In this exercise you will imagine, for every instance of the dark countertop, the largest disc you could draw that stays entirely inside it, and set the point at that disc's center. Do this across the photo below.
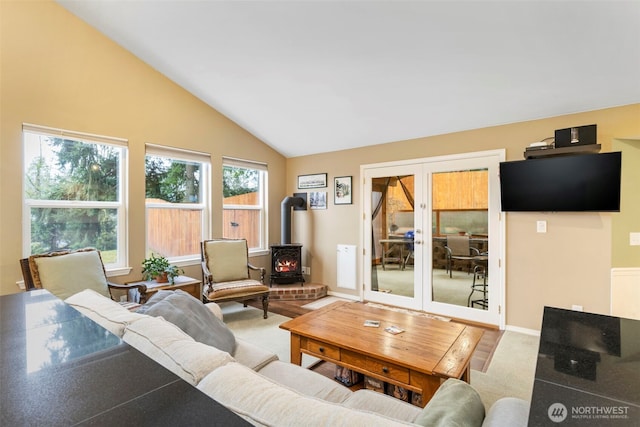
(58, 367)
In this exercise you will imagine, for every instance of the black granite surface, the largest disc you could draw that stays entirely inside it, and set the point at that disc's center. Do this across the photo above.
(587, 372)
(59, 368)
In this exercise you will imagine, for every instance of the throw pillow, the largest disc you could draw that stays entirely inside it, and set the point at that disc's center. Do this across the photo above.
(196, 320)
(155, 298)
(455, 404)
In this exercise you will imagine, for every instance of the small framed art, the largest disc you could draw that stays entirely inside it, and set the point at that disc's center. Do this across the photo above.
(317, 180)
(342, 190)
(318, 200)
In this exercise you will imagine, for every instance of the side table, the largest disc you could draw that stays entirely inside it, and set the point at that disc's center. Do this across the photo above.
(184, 283)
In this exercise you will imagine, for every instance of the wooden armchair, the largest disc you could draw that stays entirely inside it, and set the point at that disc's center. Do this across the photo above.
(65, 273)
(226, 273)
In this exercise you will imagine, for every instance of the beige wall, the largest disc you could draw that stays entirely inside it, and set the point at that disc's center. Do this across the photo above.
(568, 265)
(59, 72)
(628, 220)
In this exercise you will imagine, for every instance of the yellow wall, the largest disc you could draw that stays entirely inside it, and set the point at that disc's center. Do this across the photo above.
(570, 264)
(59, 72)
(628, 220)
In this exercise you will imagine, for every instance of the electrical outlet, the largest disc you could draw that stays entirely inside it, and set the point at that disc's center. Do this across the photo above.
(634, 239)
(306, 270)
(541, 226)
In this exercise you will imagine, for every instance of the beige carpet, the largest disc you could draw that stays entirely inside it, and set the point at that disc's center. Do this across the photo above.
(247, 323)
(510, 372)
(322, 302)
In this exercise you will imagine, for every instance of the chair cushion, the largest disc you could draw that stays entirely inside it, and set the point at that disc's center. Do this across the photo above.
(238, 288)
(165, 343)
(104, 311)
(227, 260)
(190, 315)
(68, 273)
(455, 404)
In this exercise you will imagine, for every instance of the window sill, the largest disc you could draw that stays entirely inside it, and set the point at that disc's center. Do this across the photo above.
(120, 271)
(257, 253)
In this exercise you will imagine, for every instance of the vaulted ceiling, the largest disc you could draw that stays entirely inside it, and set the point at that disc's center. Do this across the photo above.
(316, 76)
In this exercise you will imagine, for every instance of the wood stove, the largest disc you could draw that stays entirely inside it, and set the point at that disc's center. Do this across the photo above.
(286, 264)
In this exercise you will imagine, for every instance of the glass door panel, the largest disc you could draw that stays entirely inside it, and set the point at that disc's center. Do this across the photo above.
(391, 225)
(460, 238)
(462, 274)
(408, 265)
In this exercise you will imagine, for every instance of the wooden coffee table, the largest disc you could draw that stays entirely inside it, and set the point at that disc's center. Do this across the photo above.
(418, 359)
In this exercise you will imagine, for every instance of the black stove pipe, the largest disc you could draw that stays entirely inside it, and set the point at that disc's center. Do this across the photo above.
(285, 218)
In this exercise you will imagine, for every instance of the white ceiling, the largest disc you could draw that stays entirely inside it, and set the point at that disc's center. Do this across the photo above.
(315, 76)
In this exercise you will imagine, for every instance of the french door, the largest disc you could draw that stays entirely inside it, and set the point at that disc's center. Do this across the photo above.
(413, 212)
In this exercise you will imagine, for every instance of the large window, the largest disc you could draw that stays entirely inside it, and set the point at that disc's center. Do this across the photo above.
(176, 202)
(244, 191)
(74, 193)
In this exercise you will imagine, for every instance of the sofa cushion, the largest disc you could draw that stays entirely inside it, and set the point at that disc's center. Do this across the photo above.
(306, 382)
(455, 404)
(251, 355)
(264, 402)
(104, 311)
(190, 315)
(372, 401)
(168, 345)
(508, 411)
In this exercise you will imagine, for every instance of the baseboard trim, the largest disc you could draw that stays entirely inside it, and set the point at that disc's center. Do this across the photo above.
(520, 330)
(344, 296)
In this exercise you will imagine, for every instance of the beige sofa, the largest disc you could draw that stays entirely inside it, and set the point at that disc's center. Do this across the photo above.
(265, 391)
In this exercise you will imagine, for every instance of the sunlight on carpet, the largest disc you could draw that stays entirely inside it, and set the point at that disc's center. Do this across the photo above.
(247, 323)
(322, 302)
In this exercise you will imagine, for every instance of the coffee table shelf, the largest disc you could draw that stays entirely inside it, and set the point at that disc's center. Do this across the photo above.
(418, 359)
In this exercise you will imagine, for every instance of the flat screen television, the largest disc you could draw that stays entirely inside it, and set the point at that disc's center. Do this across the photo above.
(570, 183)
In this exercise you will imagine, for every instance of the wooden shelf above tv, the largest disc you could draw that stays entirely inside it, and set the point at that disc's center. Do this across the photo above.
(579, 149)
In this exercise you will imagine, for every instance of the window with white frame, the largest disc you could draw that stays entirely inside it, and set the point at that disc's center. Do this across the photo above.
(244, 185)
(176, 198)
(74, 193)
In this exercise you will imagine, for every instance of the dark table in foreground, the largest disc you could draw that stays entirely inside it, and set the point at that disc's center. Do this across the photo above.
(58, 367)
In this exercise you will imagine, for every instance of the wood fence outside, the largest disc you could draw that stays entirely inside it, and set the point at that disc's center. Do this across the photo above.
(178, 232)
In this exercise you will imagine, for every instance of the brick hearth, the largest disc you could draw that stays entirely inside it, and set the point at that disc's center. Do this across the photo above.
(309, 291)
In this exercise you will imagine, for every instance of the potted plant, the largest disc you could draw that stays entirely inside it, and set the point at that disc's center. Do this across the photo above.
(158, 268)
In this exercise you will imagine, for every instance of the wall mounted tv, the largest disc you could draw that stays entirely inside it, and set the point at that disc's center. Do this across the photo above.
(568, 183)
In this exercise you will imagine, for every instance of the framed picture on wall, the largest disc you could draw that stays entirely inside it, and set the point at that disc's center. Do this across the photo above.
(342, 190)
(317, 180)
(318, 200)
